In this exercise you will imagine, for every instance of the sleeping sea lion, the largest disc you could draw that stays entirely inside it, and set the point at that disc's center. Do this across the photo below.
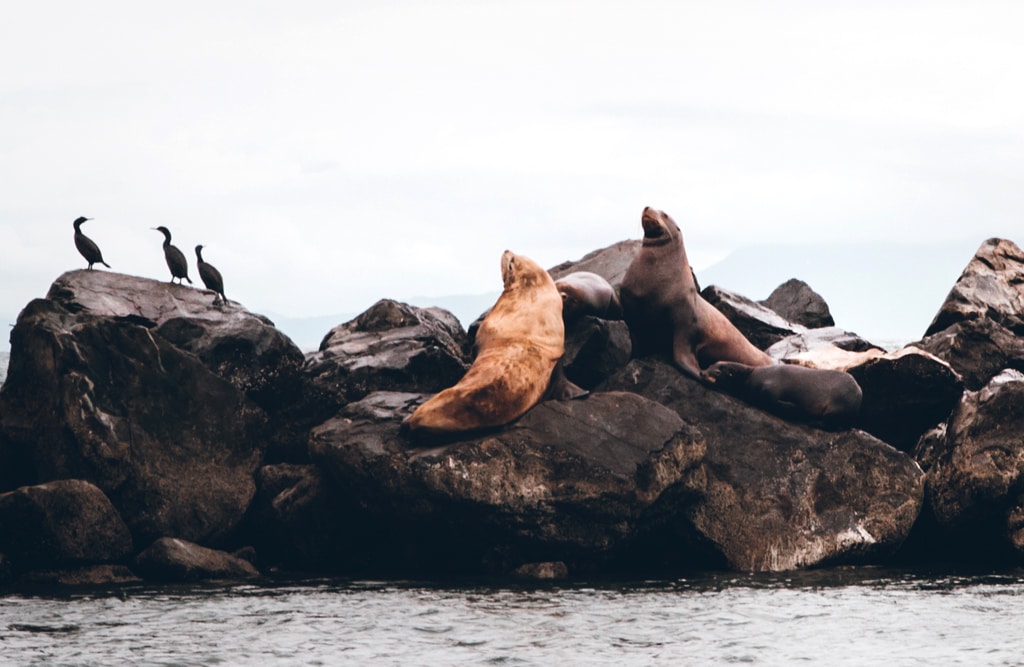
(587, 293)
(795, 392)
(518, 345)
(665, 312)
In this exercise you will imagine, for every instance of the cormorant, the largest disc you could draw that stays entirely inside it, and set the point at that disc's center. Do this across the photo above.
(210, 275)
(87, 246)
(175, 258)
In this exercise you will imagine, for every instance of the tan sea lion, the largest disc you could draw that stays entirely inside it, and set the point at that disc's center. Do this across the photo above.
(518, 345)
(795, 392)
(665, 312)
(586, 293)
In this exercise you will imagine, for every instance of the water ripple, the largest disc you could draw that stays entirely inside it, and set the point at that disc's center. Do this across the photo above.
(837, 617)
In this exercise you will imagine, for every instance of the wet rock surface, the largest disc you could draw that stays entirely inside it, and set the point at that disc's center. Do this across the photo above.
(782, 495)
(198, 427)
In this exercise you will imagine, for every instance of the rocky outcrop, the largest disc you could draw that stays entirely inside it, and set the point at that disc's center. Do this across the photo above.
(202, 426)
(978, 328)
(781, 495)
(610, 263)
(569, 481)
(762, 326)
(975, 469)
(795, 301)
(170, 559)
(172, 435)
(66, 523)
(390, 347)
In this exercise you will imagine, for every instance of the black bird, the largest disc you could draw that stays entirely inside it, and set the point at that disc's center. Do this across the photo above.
(210, 275)
(175, 258)
(87, 246)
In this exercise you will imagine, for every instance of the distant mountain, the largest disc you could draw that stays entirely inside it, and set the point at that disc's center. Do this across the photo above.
(882, 291)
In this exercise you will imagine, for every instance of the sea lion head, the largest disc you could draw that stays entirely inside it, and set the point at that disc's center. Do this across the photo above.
(659, 227)
(519, 271)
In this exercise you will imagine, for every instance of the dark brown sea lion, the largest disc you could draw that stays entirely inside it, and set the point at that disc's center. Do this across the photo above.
(795, 392)
(586, 293)
(665, 312)
(518, 345)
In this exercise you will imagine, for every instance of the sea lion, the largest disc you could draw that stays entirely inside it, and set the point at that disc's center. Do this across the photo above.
(586, 293)
(518, 345)
(665, 312)
(796, 392)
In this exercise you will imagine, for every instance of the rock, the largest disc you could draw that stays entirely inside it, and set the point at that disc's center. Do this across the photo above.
(61, 524)
(170, 559)
(977, 349)
(830, 348)
(92, 575)
(975, 468)
(978, 328)
(594, 349)
(905, 393)
(390, 347)
(610, 263)
(762, 327)
(991, 287)
(96, 392)
(542, 571)
(794, 300)
(298, 519)
(779, 495)
(569, 481)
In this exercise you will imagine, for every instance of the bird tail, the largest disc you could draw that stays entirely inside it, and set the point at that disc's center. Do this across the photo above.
(188, 279)
(104, 264)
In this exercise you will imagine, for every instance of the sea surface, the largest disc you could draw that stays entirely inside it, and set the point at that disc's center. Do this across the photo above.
(858, 616)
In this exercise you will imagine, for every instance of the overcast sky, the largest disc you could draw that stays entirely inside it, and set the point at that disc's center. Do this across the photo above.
(331, 153)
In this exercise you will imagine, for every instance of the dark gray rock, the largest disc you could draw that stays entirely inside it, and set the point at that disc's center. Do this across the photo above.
(978, 328)
(991, 287)
(61, 524)
(96, 392)
(170, 559)
(569, 481)
(975, 468)
(906, 393)
(977, 349)
(90, 575)
(762, 326)
(298, 519)
(779, 495)
(794, 300)
(610, 263)
(390, 347)
(594, 349)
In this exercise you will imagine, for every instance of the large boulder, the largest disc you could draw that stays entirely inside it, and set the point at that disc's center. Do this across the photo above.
(979, 326)
(762, 326)
(906, 393)
(569, 481)
(97, 392)
(170, 559)
(975, 469)
(61, 524)
(610, 263)
(782, 495)
(795, 301)
(390, 347)
(594, 349)
(299, 520)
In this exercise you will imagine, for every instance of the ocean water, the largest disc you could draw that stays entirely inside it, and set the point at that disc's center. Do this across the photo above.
(829, 617)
